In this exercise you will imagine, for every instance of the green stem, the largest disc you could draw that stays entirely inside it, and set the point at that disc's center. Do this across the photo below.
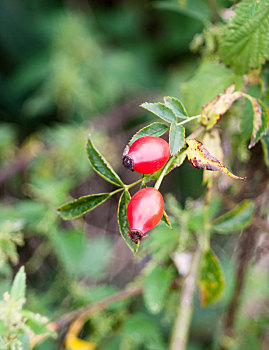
(189, 119)
(160, 179)
(206, 241)
(185, 308)
(133, 184)
(116, 191)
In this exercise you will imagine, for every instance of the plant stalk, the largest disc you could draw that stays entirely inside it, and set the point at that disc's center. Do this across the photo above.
(185, 309)
(160, 179)
(189, 119)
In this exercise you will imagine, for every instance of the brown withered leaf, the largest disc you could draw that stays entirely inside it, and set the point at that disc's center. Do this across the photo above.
(200, 158)
(219, 105)
(260, 120)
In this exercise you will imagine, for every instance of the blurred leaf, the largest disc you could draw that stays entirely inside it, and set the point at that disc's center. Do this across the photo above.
(161, 110)
(176, 138)
(211, 282)
(193, 8)
(176, 106)
(142, 330)
(81, 257)
(201, 88)
(3, 328)
(70, 248)
(260, 120)
(101, 166)
(156, 286)
(155, 129)
(166, 220)
(37, 323)
(199, 157)
(18, 286)
(82, 205)
(236, 219)
(244, 43)
(265, 147)
(123, 221)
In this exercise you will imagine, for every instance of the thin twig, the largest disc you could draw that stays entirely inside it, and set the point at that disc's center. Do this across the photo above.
(185, 309)
(88, 310)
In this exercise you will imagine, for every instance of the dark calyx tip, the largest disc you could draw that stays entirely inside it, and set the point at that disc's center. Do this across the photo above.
(136, 236)
(128, 162)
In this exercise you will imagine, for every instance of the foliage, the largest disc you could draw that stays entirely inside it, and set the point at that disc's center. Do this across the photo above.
(18, 325)
(77, 68)
(244, 44)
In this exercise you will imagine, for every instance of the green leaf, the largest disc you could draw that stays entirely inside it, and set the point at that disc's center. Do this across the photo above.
(166, 220)
(176, 138)
(244, 44)
(191, 8)
(260, 120)
(101, 166)
(156, 287)
(155, 129)
(236, 219)
(18, 286)
(211, 281)
(265, 147)
(82, 205)
(176, 106)
(202, 88)
(123, 221)
(161, 110)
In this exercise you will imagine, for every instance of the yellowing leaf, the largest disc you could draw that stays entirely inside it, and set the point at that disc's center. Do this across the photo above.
(219, 105)
(74, 343)
(200, 158)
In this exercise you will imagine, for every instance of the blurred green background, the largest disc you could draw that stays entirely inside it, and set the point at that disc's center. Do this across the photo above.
(74, 67)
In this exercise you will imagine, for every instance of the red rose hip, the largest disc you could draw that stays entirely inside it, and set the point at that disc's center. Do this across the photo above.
(144, 212)
(147, 155)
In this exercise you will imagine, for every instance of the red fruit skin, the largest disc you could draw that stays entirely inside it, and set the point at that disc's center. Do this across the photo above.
(148, 154)
(144, 212)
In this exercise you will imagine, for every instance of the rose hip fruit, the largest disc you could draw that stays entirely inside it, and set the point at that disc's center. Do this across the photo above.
(144, 212)
(146, 155)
